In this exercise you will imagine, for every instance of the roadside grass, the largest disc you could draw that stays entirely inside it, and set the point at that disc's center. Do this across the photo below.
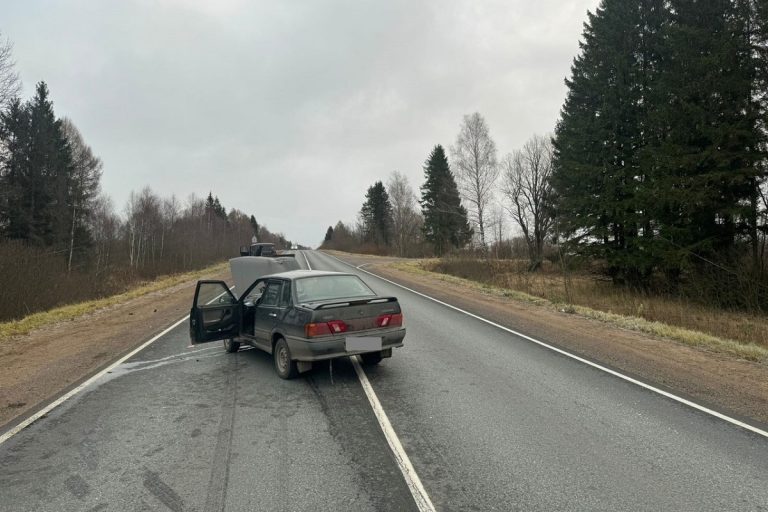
(72, 311)
(677, 320)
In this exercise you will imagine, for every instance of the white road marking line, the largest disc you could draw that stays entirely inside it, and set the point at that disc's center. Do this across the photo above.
(420, 495)
(627, 378)
(412, 479)
(305, 259)
(48, 408)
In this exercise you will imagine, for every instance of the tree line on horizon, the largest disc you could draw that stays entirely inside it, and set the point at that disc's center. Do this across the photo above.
(656, 168)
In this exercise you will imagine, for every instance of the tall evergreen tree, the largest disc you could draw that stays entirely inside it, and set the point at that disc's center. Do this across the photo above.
(329, 234)
(598, 170)
(51, 171)
(15, 219)
(445, 219)
(254, 226)
(376, 215)
(707, 158)
(38, 172)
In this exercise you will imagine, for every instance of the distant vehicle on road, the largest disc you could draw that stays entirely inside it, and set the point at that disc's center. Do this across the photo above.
(259, 249)
(299, 316)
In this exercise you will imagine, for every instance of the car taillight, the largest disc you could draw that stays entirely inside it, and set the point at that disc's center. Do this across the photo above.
(325, 328)
(337, 326)
(390, 320)
(311, 330)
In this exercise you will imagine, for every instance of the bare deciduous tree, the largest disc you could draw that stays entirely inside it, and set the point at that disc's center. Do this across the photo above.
(104, 226)
(84, 183)
(10, 85)
(476, 168)
(497, 227)
(406, 219)
(527, 187)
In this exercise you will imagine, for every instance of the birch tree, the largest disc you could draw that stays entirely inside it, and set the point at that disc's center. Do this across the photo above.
(476, 168)
(10, 85)
(83, 184)
(405, 217)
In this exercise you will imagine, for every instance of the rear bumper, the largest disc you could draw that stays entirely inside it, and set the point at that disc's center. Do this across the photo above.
(303, 349)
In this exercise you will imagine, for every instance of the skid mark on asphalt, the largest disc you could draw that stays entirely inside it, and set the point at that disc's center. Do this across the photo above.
(354, 427)
(128, 368)
(162, 491)
(218, 482)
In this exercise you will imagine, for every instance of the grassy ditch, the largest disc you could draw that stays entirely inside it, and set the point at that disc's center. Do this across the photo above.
(71, 311)
(740, 335)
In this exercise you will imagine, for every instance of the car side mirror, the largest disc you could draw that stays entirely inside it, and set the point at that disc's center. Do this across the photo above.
(244, 250)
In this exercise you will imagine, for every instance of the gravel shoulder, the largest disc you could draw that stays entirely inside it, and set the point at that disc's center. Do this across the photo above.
(37, 367)
(727, 384)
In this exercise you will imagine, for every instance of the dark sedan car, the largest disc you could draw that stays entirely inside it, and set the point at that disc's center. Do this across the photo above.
(299, 317)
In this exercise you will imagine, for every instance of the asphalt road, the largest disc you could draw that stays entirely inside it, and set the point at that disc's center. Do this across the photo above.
(489, 421)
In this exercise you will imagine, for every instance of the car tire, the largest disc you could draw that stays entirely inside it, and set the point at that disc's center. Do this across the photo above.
(371, 358)
(231, 345)
(284, 365)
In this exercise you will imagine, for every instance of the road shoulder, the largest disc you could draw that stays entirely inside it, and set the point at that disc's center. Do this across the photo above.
(40, 366)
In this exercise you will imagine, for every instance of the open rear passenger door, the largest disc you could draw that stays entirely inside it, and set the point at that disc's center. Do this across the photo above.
(215, 313)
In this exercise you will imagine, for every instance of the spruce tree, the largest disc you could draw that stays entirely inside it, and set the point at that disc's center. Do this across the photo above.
(376, 215)
(707, 160)
(445, 219)
(15, 217)
(329, 234)
(38, 172)
(599, 172)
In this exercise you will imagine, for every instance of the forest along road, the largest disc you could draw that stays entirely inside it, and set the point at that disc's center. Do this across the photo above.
(489, 421)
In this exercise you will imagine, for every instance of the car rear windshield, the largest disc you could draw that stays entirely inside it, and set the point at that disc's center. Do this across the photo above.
(313, 289)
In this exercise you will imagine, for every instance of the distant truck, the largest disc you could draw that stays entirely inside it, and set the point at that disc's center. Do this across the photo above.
(260, 249)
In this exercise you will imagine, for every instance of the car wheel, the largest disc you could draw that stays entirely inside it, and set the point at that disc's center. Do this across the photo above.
(371, 358)
(231, 345)
(284, 365)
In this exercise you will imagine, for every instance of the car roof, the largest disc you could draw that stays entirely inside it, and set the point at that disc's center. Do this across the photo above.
(297, 274)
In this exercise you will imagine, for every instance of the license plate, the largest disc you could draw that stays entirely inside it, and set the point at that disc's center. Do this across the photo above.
(355, 343)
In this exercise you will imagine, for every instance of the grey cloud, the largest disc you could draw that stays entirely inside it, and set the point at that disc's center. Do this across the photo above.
(290, 110)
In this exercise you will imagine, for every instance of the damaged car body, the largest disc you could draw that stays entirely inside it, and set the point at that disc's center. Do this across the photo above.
(298, 316)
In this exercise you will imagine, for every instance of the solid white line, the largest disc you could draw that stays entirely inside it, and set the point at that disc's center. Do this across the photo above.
(305, 259)
(420, 495)
(48, 408)
(627, 378)
(413, 481)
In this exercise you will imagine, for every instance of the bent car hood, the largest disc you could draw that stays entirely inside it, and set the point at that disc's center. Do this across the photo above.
(247, 269)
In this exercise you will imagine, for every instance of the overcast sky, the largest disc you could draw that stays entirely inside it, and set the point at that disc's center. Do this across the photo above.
(289, 110)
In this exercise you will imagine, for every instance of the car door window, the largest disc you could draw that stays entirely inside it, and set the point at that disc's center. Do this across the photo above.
(285, 296)
(213, 293)
(256, 292)
(271, 294)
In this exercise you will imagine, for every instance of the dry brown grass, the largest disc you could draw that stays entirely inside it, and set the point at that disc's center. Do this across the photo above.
(70, 311)
(734, 333)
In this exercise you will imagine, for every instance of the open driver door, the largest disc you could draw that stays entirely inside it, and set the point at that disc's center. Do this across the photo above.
(215, 313)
